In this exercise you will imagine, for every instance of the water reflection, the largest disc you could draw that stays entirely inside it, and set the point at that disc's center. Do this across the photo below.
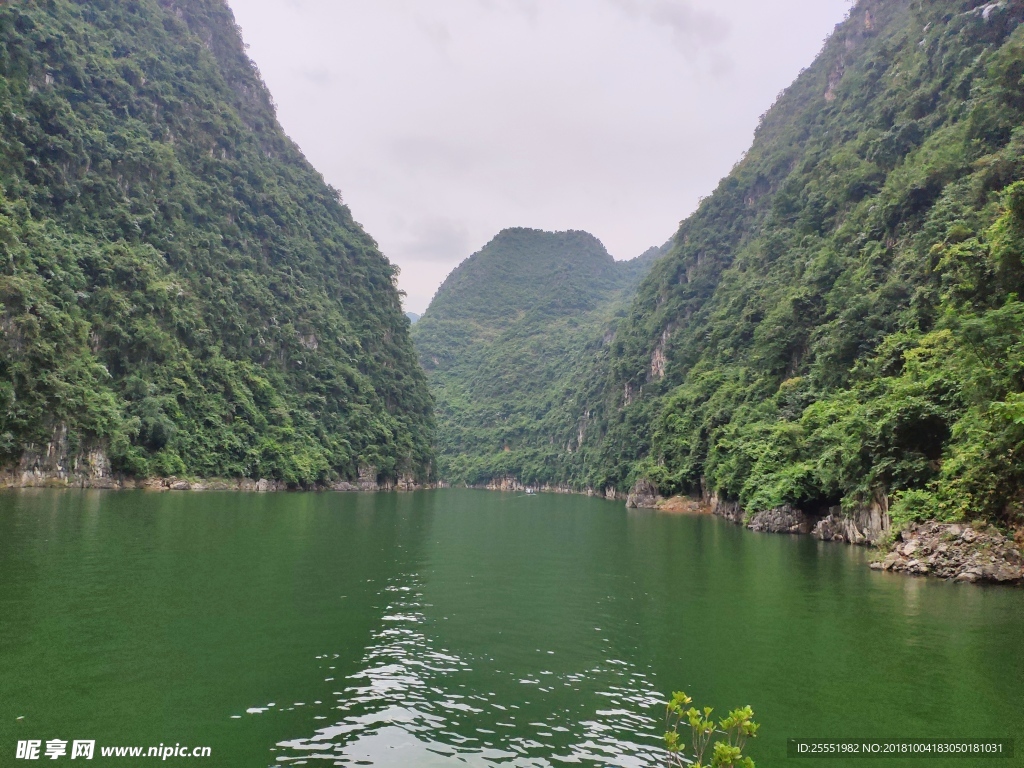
(469, 628)
(412, 704)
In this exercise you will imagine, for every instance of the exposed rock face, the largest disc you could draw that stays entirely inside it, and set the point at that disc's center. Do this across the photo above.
(682, 504)
(239, 484)
(510, 483)
(55, 466)
(215, 485)
(957, 552)
(643, 496)
(506, 484)
(659, 361)
(866, 525)
(837, 527)
(730, 510)
(368, 478)
(784, 519)
(406, 482)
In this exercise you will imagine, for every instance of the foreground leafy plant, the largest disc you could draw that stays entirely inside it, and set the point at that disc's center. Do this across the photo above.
(725, 753)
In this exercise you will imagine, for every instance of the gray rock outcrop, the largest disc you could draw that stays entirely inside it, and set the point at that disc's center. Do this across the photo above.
(865, 525)
(644, 495)
(784, 519)
(368, 478)
(55, 465)
(955, 551)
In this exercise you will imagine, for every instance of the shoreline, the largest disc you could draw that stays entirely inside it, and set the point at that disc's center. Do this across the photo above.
(952, 551)
(961, 552)
(97, 479)
(56, 465)
(242, 485)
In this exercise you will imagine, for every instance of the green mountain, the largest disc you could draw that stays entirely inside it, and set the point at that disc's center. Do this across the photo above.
(840, 322)
(182, 293)
(510, 342)
(842, 318)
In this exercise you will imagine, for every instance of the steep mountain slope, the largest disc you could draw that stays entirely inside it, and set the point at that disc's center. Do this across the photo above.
(182, 293)
(510, 342)
(841, 320)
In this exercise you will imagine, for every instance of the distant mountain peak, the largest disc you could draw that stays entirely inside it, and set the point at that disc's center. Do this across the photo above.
(522, 270)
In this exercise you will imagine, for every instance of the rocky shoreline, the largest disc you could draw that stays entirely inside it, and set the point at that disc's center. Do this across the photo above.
(958, 552)
(55, 467)
(955, 551)
(510, 483)
(12, 480)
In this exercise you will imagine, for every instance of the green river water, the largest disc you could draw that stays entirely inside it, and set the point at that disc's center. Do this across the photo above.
(448, 628)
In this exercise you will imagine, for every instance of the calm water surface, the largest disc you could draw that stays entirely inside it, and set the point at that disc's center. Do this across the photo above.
(452, 628)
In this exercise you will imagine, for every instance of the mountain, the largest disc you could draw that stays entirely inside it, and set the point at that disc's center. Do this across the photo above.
(413, 317)
(182, 293)
(507, 343)
(841, 320)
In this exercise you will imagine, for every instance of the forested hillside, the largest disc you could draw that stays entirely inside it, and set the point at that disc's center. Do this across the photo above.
(843, 316)
(181, 291)
(511, 342)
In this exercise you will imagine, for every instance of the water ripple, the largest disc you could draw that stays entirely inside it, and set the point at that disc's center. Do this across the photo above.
(404, 709)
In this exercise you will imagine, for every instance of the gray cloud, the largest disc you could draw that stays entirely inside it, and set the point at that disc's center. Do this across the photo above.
(530, 9)
(445, 121)
(435, 30)
(433, 154)
(437, 240)
(691, 27)
(319, 77)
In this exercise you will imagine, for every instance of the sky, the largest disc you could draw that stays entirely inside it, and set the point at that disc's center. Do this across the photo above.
(443, 122)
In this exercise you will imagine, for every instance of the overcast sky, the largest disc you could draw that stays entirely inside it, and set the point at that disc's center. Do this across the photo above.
(445, 121)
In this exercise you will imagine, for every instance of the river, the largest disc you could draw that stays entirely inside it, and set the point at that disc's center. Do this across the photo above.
(455, 627)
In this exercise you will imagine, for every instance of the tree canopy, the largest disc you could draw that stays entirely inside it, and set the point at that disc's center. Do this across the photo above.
(180, 288)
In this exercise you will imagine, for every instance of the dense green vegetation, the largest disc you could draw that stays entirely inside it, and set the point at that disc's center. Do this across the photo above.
(179, 287)
(510, 342)
(842, 318)
(843, 315)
